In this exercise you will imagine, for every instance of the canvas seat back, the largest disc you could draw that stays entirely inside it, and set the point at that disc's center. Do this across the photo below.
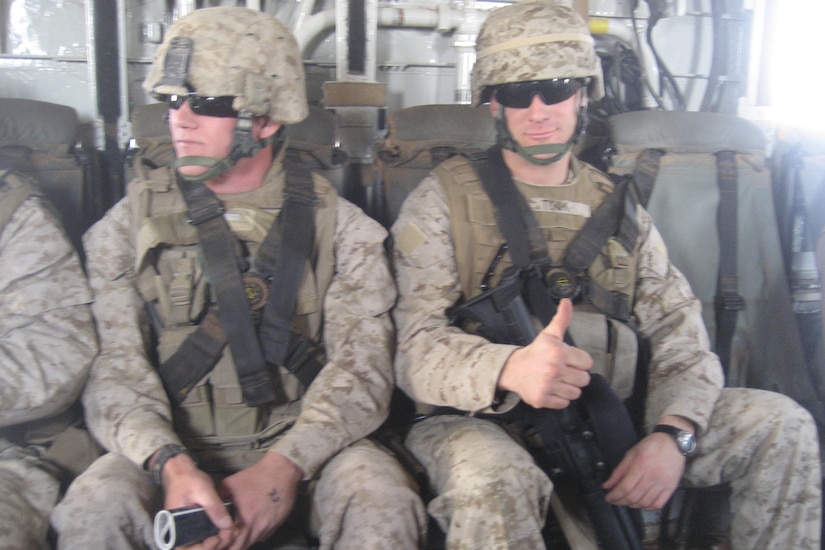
(417, 139)
(765, 349)
(47, 142)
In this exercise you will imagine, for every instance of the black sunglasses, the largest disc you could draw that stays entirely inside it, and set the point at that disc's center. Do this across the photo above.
(519, 95)
(205, 105)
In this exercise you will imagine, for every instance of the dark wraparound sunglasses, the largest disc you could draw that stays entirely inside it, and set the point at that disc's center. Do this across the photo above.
(519, 95)
(205, 105)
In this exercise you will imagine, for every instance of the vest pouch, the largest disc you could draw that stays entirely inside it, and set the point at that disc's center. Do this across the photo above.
(181, 289)
(614, 268)
(232, 416)
(613, 345)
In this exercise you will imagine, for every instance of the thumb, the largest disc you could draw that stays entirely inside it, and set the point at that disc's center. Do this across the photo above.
(560, 321)
(219, 515)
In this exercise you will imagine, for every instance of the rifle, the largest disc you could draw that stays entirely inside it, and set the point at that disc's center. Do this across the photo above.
(578, 445)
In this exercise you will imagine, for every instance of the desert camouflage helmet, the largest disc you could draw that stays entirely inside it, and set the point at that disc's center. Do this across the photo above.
(234, 52)
(534, 40)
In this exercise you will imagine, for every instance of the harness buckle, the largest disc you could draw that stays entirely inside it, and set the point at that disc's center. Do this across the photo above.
(203, 214)
(729, 302)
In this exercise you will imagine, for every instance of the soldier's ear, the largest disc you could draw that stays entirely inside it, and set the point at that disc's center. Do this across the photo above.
(494, 106)
(269, 128)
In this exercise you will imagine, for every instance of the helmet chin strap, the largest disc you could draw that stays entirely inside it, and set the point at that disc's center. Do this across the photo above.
(536, 153)
(243, 146)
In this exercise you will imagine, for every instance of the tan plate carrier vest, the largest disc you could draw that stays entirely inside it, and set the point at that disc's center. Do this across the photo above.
(213, 420)
(477, 240)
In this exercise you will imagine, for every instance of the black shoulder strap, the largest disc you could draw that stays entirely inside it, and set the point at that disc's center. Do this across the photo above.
(615, 217)
(286, 264)
(645, 172)
(518, 225)
(221, 261)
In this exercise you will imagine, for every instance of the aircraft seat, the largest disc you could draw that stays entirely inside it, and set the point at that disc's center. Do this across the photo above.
(46, 141)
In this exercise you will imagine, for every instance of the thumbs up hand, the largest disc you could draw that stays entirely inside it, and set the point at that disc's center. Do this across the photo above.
(548, 373)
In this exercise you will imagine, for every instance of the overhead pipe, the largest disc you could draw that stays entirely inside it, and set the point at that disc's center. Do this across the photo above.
(440, 18)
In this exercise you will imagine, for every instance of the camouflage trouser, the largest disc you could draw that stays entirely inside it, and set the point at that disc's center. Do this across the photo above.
(491, 495)
(27, 494)
(362, 500)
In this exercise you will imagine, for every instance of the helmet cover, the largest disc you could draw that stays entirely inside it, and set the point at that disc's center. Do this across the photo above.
(534, 40)
(236, 52)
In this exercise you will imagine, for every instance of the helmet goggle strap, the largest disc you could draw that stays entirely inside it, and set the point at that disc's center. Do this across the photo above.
(536, 153)
(243, 145)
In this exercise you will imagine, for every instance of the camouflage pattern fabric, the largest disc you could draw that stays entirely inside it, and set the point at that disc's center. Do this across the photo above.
(263, 68)
(763, 444)
(47, 343)
(355, 504)
(128, 411)
(514, 45)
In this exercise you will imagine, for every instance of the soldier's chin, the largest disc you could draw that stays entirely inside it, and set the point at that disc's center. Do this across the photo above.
(192, 171)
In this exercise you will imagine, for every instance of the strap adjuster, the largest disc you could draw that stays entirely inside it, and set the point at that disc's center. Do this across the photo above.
(203, 214)
(729, 302)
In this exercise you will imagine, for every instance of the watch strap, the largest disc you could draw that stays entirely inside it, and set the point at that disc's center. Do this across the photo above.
(166, 452)
(677, 434)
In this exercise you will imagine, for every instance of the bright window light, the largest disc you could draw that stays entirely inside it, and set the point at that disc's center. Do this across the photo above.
(797, 78)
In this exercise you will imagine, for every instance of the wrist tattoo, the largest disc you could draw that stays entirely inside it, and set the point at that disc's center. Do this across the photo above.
(274, 496)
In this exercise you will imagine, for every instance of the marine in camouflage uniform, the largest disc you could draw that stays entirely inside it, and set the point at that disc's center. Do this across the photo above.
(304, 453)
(490, 493)
(47, 343)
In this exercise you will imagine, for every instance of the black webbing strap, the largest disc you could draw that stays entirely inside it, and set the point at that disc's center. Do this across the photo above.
(205, 212)
(615, 217)
(201, 350)
(514, 217)
(518, 225)
(727, 301)
(645, 172)
(195, 358)
(296, 234)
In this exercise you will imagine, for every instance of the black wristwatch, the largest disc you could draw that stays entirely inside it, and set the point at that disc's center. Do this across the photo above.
(166, 452)
(685, 440)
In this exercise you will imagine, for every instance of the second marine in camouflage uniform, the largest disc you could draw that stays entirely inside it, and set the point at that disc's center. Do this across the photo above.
(490, 492)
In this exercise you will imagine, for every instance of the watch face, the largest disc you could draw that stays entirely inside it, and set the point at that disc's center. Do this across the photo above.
(687, 443)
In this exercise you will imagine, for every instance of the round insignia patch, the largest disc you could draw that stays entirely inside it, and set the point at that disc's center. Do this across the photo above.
(562, 284)
(256, 290)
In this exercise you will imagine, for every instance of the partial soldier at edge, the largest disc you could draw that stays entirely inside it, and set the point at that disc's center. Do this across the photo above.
(47, 344)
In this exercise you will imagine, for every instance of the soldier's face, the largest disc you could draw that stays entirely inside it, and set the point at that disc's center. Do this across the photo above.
(539, 123)
(198, 135)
